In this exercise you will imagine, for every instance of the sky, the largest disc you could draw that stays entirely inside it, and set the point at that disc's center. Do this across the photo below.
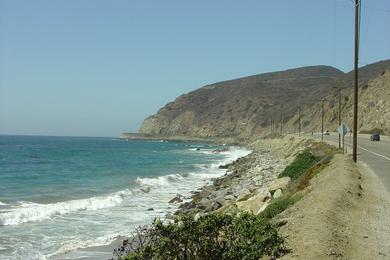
(98, 68)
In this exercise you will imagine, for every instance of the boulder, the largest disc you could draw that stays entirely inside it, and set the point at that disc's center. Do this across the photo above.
(201, 207)
(277, 194)
(262, 208)
(280, 183)
(229, 209)
(244, 195)
(146, 190)
(176, 199)
(230, 197)
(217, 151)
(253, 204)
(214, 206)
(198, 216)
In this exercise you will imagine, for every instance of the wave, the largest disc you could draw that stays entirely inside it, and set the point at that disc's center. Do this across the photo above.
(33, 212)
(231, 155)
(205, 171)
(160, 181)
(2, 203)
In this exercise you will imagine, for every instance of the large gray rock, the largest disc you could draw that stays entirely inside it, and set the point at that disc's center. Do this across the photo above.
(230, 197)
(213, 206)
(281, 183)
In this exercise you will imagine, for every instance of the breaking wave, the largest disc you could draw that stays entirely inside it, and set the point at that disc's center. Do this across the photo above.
(206, 171)
(33, 212)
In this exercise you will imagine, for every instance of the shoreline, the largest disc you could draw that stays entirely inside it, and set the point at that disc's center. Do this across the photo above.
(182, 138)
(247, 177)
(246, 182)
(106, 251)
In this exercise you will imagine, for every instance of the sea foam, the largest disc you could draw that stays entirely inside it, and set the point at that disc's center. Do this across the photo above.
(33, 212)
(205, 172)
(132, 201)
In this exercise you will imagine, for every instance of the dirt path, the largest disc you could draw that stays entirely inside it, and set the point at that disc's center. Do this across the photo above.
(344, 215)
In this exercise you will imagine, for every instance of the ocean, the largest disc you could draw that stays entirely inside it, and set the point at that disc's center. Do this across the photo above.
(60, 194)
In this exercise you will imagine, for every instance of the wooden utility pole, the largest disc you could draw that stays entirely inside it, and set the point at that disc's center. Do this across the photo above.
(355, 92)
(322, 120)
(299, 121)
(339, 116)
(281, 121)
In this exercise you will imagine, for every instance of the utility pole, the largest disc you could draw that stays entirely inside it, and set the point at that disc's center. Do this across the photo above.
(339, 116)
(355, 92)
(281, 121)
(273, 128)
(322, 119)
(299, 121)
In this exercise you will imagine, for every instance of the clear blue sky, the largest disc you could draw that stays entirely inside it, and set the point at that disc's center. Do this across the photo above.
(98, 68)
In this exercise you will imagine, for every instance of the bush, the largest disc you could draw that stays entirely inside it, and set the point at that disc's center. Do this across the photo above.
(300, 165)
(214, 236)
(304, 180)
(279, 205)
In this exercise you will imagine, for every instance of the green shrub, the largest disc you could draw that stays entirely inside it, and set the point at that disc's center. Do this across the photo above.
(304, 180)
(279, 205)
(214, 236)
(300, 165)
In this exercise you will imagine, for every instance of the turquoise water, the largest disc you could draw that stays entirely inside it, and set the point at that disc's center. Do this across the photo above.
(58, 194)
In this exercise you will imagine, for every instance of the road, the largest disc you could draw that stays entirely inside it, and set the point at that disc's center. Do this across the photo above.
(376, 155)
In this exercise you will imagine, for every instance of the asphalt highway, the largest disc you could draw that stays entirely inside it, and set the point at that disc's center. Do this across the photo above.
(376, 155)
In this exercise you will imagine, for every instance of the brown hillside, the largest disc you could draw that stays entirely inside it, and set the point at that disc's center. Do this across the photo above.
(244, 107)
(373, 113)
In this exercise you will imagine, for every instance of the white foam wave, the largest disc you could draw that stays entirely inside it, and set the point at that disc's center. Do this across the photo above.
(231, 155)
(33, 212)
(160, 181)
(2, 203)
(162, 189)
(205, 171)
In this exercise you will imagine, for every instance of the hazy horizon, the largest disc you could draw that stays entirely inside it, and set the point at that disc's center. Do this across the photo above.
(98, 69)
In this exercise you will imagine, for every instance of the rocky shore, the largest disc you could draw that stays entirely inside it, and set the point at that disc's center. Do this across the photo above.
(341, 211)
(250, 183)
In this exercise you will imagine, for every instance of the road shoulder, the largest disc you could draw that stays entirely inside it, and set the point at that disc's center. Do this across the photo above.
(345, 214)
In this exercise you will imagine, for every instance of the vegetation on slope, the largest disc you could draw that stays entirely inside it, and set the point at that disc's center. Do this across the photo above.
(214, 236)
(300, 165)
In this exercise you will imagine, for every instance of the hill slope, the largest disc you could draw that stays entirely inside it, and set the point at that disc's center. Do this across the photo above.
(374, 108)
(244, 107)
